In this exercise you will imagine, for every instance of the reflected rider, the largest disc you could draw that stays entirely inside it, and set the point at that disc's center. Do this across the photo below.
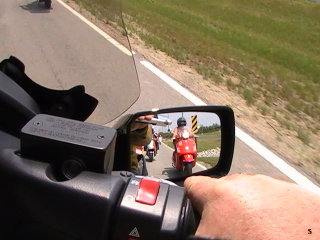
(141, 135)
(182, 126)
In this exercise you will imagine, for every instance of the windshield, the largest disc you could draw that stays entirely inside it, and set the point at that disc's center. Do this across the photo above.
(61, 49)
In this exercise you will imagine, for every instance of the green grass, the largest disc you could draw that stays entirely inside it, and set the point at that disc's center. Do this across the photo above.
(249, 96)
(109, 11)
(208, 141)
(263, 109)
(271, 45)
(303, 136)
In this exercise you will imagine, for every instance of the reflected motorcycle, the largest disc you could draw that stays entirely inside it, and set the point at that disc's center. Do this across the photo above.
(185, 155)
(151, 150)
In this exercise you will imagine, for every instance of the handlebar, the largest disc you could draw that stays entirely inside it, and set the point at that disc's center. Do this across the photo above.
(157, 121)
(46, 195)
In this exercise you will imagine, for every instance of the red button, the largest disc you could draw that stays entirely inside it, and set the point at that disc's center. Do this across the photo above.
(148, 191)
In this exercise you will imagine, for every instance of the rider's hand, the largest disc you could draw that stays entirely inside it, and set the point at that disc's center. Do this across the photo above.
(140, 125)
(245, 207)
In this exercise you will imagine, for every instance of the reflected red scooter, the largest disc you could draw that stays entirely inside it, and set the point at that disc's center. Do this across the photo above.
(185, 156)
(151, 150)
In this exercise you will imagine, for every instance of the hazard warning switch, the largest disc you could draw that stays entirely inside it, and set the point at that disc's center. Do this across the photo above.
(134, 234)
(148, 191)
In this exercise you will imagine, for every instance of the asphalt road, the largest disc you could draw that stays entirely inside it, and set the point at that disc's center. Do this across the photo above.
(60, 50)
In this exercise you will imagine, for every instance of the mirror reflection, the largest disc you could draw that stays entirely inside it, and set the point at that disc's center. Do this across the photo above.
(175, 144)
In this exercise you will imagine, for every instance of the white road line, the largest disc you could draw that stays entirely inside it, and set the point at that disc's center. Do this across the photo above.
(97, 29)
(201, 166)
(276, 161)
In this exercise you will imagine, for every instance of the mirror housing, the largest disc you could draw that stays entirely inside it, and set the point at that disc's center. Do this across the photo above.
(227, 122)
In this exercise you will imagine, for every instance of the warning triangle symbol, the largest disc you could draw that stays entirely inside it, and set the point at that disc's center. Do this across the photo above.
(134, 233)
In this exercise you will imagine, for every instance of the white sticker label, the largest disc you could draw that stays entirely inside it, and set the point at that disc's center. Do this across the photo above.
(134, 233)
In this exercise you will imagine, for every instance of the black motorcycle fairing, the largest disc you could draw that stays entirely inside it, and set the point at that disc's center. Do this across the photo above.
(36, 207)
(89, 206)
(73, 103)
(122, 148)
(16, 106)
(10, 141)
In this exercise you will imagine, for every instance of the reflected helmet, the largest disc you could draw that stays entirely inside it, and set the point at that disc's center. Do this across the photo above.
(181, 122)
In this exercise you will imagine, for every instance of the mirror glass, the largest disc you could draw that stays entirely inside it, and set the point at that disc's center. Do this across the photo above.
(165, 150)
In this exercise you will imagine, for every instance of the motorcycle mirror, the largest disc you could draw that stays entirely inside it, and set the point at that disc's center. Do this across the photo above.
(208, 150)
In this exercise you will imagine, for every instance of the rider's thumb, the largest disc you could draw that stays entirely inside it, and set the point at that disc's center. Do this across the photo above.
(200, 190)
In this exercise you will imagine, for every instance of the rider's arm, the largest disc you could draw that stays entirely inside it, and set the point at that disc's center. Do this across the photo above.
(175, 133)
(141, 136)
(141, 133)
(246, 207)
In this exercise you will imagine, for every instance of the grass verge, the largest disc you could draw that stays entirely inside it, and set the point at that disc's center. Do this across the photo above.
(265, 50)
(270, 46)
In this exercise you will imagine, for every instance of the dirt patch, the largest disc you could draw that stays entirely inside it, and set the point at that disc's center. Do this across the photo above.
(262, 127)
